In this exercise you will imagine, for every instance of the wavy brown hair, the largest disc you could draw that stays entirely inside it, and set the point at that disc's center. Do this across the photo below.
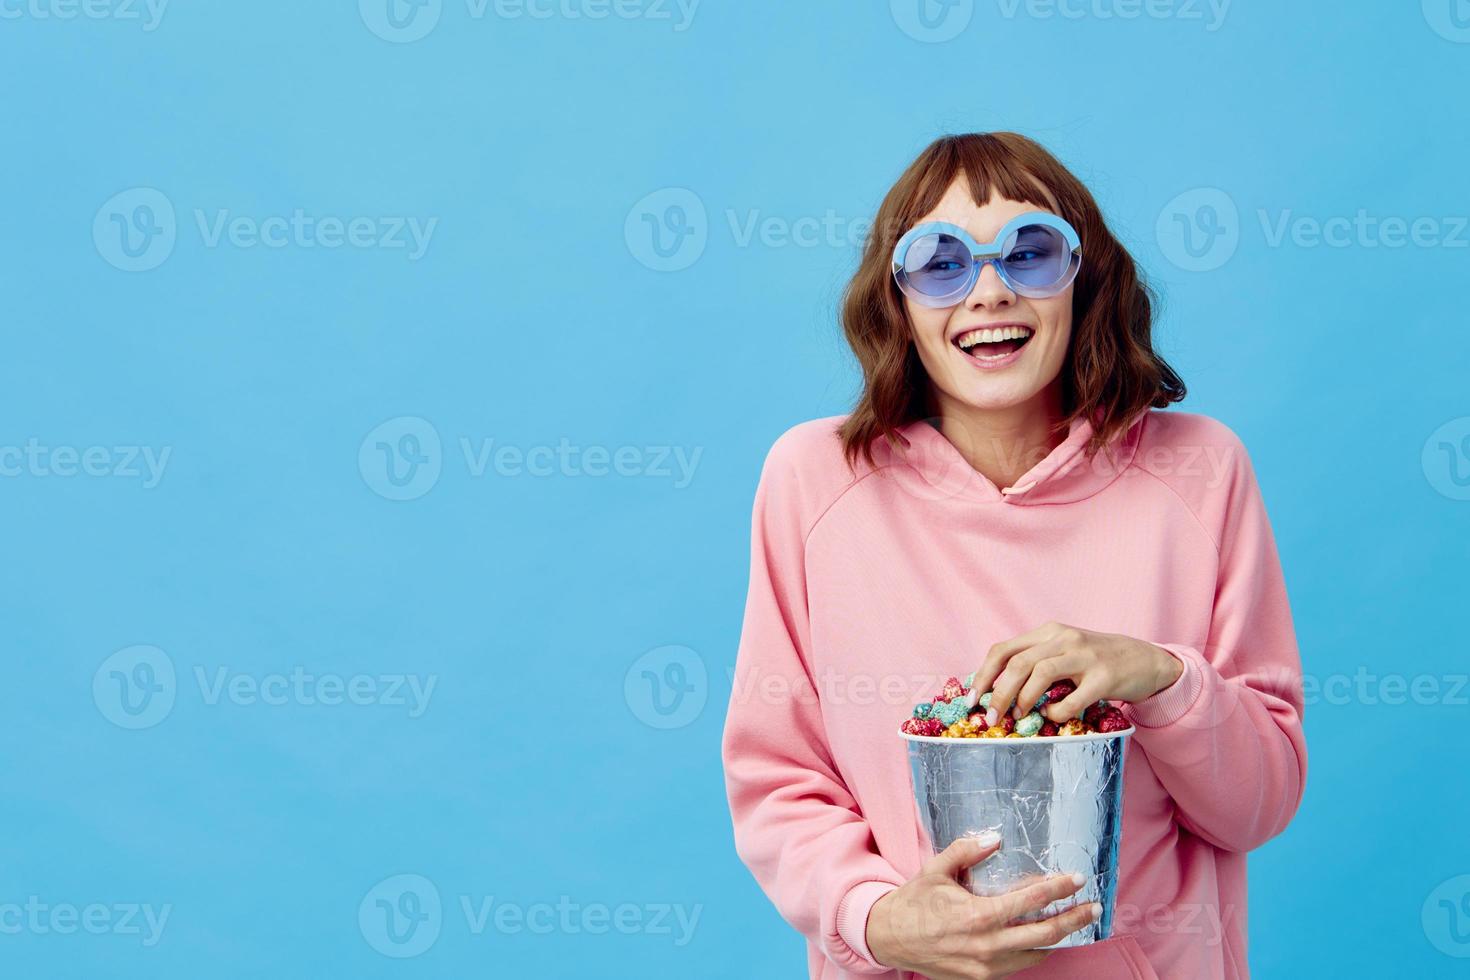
(1111, 372)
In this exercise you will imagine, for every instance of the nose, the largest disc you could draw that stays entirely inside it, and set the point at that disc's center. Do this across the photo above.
(990, 290)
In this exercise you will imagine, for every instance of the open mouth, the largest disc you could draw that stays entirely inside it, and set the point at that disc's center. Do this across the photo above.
(993, 343)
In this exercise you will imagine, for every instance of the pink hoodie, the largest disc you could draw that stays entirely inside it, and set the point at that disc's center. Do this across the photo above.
(868, 589)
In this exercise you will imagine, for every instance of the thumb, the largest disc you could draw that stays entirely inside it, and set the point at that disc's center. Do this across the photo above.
(963, 853)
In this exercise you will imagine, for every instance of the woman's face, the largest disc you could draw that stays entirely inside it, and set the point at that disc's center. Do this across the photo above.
(989, 375)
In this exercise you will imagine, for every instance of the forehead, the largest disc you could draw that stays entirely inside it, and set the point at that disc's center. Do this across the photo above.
(985, 221)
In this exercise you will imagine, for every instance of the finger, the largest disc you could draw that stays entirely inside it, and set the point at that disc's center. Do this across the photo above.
(1048, 672)
(1033, 898)
(1044, 932)
(1089, 689)
(1027, 639)
(1000, 653)
(1017, 672)
(961, 854)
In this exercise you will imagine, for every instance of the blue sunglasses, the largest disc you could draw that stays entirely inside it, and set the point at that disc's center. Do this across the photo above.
(1037, 254)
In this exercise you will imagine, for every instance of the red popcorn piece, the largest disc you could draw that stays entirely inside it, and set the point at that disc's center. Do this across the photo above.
(923, 726)
(1059, 690)
(1048, 728)
(1008, 722)
(953, 689)
(1110, 719)
(1094, 712)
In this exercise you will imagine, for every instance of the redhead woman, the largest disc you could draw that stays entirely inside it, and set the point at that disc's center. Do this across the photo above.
(1010, 495)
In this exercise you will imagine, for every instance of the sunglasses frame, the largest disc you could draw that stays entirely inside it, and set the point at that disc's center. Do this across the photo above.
(989, 252)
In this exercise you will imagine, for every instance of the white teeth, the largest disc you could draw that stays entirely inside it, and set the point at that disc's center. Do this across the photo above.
(990, 336)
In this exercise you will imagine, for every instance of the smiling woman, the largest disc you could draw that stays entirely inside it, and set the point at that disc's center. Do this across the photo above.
(907, 350)
(1003, 499)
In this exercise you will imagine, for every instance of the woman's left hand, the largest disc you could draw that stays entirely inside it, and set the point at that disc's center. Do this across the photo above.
(1103, 665)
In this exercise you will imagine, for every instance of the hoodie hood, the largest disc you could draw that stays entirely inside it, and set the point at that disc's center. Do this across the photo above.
(934, 467)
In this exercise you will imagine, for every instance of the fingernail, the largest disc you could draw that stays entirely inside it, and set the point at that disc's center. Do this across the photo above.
(1096, 911)
(1078, 880)
(987, 838)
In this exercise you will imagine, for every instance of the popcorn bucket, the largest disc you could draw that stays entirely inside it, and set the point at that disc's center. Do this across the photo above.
(1057, 803)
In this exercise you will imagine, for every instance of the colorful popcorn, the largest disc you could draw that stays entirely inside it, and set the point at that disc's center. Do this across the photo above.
(958, 712)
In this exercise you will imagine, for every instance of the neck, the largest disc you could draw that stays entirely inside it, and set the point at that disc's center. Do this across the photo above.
(1004, 443)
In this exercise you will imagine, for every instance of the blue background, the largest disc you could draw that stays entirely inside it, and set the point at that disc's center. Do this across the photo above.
(537, 314)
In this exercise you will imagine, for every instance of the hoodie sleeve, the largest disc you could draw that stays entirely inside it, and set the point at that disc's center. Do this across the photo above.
(1226, 738)
(797, 826)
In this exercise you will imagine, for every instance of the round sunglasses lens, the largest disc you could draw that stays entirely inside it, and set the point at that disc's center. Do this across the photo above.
(936, 264)
(1036, 256)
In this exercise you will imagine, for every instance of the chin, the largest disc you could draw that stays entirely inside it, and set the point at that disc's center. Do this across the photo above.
(997, 395)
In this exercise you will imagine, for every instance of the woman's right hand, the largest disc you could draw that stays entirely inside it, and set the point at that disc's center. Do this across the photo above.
(934, 926)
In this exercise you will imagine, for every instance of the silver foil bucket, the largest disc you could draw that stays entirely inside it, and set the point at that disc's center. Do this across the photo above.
(1056, 802)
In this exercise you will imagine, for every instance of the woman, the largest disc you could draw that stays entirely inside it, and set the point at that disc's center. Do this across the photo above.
(1007, 497)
